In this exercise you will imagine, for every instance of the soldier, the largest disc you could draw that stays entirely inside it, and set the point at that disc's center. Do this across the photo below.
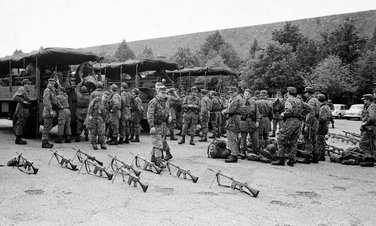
(136, 115)
(234, 111)
(49, 99)
(291, 128)
(368, 136)
(97, 115)
(115, 113)
(125, 120)
(97, 92)
(83, 101)
(323, 129)
(225, 101)
(266, 112)
(256, 95)
(179, 111)
(215, 114)
(158, 116)
(311, 125)
(22, 111)
(278, 108)
(191, 106)
(172, 102)
(64, 116)
(206, 105)
(331, 106)
(250, 121)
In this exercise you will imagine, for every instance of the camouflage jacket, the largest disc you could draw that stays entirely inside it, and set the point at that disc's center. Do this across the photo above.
(126, 101)
(217, 104)
(278, 108)
(136, 106)
(21, 96)
(369, 114)
(234, 110)
(49, 99)
(249, 116)
(83, 99)
(206, 105)
(173, 103)
(325, 115)
(315, 106)
(115, 104)
(96, 93)
(265, 108)
(62, 101)
(296, 108)
(158, 111)
(191, 103)
(98, 108)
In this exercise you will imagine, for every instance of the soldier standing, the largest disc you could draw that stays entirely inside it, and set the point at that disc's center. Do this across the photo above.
(291, 128)
(173, 101)
(266, 112)
(98, 92)
(331, 106)
(126, 100)
(115, 113)
(136, 115)
(83, 101)
(206, 106)
(311, 125)
(250, 121)
(64, 116)
(191, 106)
(158, 116)
(22, 111)
(278, 108)
(234, 111)
(368, 128)
(97, 116)
(49, 99)
(323, 129)
(215, 114)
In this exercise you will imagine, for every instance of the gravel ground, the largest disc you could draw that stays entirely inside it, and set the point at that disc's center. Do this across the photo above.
(323, 194)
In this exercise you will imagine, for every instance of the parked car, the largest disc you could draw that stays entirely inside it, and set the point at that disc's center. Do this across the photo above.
(355, 111)
(339, 110)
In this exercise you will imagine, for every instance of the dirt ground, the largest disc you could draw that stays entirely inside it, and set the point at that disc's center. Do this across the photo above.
(323, 194)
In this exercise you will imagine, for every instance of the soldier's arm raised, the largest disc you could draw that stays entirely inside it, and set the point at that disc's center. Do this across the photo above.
(18, 96)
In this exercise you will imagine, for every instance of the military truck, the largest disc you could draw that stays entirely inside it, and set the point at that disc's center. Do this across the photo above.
(38, 66)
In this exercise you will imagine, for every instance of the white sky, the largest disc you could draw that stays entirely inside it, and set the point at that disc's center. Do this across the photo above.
(30, 24)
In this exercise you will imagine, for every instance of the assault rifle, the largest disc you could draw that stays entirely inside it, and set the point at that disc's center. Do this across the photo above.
(235, 184)
(344, 138)
(182, 172)
(98, 169)
(114, 165)
(356, 135)
(148, 166)
(67, 163)
(80, 157)
(26, 164)
(131, 177)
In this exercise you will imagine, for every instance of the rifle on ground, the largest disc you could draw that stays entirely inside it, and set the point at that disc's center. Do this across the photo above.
(356, 135)
(344, 138)
(115, 166)
(67, 163)
(181, 171)
(26, 164)
(235, 184)
(131, 177)
(80, 158)
(148, 166)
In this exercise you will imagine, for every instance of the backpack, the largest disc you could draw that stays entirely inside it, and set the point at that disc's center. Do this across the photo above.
(218, 149)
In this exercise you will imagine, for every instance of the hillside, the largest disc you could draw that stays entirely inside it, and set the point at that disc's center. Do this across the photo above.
(242, 37)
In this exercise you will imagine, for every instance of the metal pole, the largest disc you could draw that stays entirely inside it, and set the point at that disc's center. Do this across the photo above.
(205, 85)
(136, 77)
(37, 81)
(10, 76)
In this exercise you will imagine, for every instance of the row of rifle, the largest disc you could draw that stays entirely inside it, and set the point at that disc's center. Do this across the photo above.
(95, 167)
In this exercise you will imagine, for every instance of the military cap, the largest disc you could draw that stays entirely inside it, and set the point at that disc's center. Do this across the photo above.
(114, 87)
(291, 90)
(330, 101)
(83, 89)
(248, 90)
(321, 97)
(136, 91)
(25, 81)
(367, 97)
(194, 89)
(308, 90)
(263, 93)
(204, 91)
(257, 92)
(232, 89)
(100, 84)
(124, 85)
(51, 80)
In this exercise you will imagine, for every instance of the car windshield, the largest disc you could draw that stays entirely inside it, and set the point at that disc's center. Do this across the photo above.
(356, 107)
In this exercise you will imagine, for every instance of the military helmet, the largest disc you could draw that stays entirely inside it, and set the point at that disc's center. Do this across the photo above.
(367, 97)
(83, 89)
(114, 87)
(100, 85)
(136, 91)
(321, 97)
(124, 85)
(291, 90)
(308, 89)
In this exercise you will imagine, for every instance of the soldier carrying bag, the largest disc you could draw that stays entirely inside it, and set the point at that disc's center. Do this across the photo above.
(218, 149)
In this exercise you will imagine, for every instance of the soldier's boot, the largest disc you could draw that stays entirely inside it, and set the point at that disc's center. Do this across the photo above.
(280, 161)
(78, 138)
(136, 139)
(159, 163)
(95, 147)
(191, 141)
(367, 164)
(204, 137)
(152, 158)
(322, 157)
(168, 155)
(182, 141)
(172, 136)
(121, 141)
(46, 144)
(59, 140)
(126, 140)
(113, 141)
(131, 138)
(86, 137)
(20, 141)
(291, 162)
(213, 136)
(315, 159)
(179, 134)
(103, 146)
(273, 134)
(68, 139)
(232, 159)
(110, 140)
(243, 153)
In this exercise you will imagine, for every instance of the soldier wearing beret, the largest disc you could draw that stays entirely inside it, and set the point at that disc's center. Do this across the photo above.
(266, 112)
(49, 99)
(64, 116)
(206, 106)
(22, 111)
(191, 107)
(325, 115)
(368, 131)
(125, 120)
(136, 115)
(115, 113)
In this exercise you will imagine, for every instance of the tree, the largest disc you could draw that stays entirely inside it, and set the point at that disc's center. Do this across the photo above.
(230, 56)
(123, 52)
(288, 34)
(147, 53)
(214, 42)
(308, 55)
(184, 57)
(17, 52)
(365, 73)
(371, 44)
(332, 77)
(254, 48)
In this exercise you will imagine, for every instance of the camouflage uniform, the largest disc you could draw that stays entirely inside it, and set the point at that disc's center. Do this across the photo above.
(22, 111)
(224, 119)
(368, 131)
(173, 102)
(126, 101)
(190, 116)
(115, 113)
(250, 115)
(49, 98)
(83, 101)
(96, 93)
(136, 116)
(234, 110)
(278, 108)
(310, 128)
(206, 105)
(64, 117)
(98, 110)
(157, 115)
(323, 129)
(215, 116)
(266, 112)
